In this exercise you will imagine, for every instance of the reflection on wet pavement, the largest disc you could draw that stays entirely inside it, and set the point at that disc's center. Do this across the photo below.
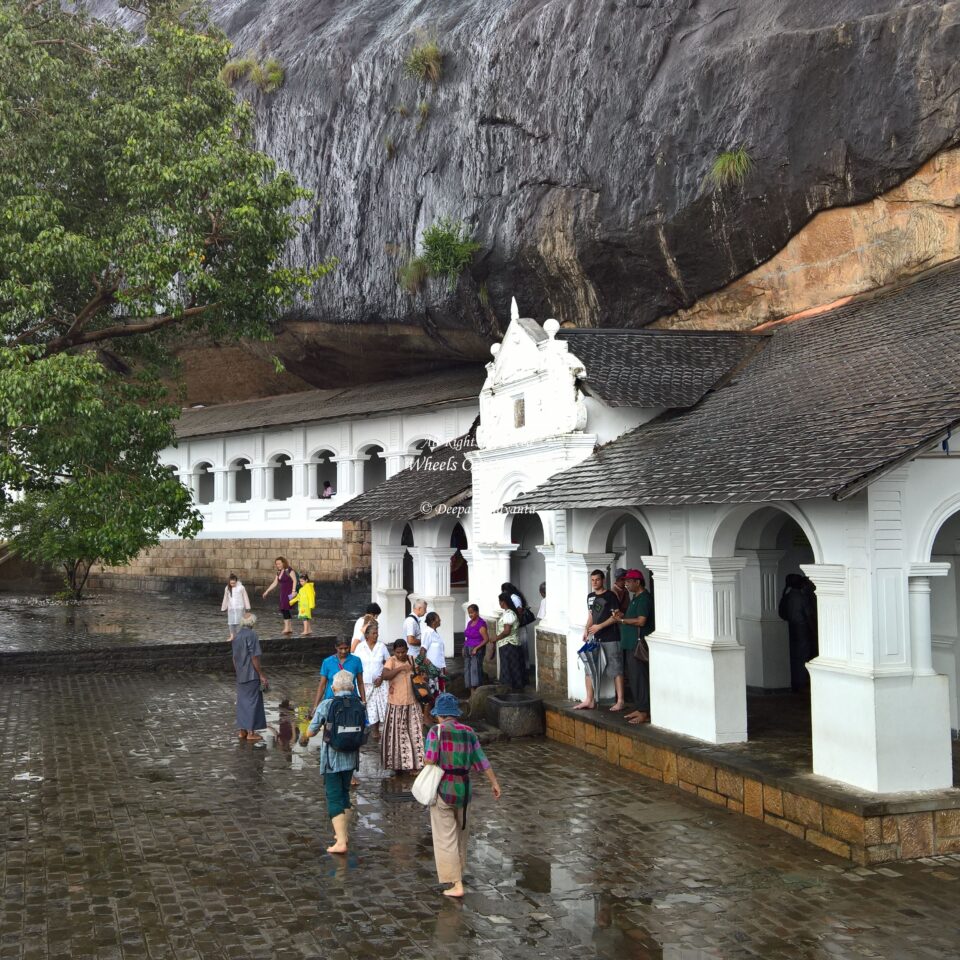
(135, 825)
(132, 619)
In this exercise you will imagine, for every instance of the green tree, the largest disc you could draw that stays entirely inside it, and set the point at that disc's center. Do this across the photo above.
(136, 216)
(78, 458)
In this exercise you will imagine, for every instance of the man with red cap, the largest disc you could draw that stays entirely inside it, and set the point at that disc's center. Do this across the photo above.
(635, 624)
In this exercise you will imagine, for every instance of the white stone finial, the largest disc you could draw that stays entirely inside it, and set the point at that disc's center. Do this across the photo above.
(550, 327)
(514, 309)
(494, 349)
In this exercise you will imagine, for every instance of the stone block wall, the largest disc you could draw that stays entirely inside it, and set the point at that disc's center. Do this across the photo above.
(860, 834)
(551, 662)
(340, 568)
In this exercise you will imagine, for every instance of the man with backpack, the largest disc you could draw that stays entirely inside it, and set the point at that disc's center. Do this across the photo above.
(344, 721)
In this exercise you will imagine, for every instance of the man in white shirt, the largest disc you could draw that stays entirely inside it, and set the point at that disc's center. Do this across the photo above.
(412, 630)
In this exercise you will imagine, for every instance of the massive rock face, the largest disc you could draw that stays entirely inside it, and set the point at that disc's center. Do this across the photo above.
(575, 137)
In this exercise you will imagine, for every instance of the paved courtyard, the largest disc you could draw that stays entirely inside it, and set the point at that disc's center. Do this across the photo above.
(126, 619)
(136, 826)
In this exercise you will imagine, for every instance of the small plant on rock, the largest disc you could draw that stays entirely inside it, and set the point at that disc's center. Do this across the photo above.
(730, 167)
(413, 275)
(268, 76)
(425, 61)
(424, 112)
(448, 248)
(389, 144)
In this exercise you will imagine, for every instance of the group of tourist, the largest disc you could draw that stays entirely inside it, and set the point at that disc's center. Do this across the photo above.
(614, 641)
(363, 688)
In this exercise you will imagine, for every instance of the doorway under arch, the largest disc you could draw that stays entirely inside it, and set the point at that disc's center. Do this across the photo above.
(406, 540)
(945, 611)
(374, 467)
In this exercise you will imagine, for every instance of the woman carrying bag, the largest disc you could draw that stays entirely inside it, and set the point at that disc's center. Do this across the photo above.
(455, 749)
(401, 743)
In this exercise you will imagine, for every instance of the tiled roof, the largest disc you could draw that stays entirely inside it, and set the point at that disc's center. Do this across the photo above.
(308, 406)
(831, 400)
(657, 368)
(436, 481)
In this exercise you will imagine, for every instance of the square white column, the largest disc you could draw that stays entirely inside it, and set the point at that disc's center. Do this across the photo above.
(698, 680)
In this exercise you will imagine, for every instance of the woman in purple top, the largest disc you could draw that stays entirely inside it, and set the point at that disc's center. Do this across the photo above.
(285, 581)
(475, 638)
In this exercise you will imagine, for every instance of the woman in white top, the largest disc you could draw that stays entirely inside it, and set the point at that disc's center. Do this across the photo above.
(235, 604)
(432, 641)
(373, 654)
(373, 610)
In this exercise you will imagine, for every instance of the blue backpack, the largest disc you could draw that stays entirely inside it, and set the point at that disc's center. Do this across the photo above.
(346, 725)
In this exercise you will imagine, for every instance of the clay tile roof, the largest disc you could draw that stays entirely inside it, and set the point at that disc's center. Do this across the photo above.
(309, 406)
(438, 480)
(831, 402)
(657, 368)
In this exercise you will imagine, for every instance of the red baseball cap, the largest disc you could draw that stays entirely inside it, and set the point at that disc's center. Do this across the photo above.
(634, 575)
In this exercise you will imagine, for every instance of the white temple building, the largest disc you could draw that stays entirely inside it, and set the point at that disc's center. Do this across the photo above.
(719, 463)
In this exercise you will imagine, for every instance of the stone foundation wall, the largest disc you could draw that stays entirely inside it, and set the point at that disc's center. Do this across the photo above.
(864, 836)
(551, 662)
(340, 568)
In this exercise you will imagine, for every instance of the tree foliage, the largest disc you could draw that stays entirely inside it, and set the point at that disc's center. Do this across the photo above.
(135, 215)
(78, 461)
(132, 200)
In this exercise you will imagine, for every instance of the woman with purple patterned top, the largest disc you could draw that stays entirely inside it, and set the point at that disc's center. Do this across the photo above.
(475, 640)
(285, 579)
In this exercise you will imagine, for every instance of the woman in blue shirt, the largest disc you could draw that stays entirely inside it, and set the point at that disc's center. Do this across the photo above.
(337, 766)
(343, 659)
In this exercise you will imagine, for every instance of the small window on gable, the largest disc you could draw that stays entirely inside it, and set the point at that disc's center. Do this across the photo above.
(519, 412)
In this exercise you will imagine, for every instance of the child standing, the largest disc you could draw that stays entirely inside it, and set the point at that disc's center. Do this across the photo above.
(306, 598)
(235, 603)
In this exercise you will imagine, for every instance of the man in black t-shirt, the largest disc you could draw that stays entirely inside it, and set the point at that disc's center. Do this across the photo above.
(602, 626)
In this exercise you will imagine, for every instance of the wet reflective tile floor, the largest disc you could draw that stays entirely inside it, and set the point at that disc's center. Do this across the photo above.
(135, 825)
(112, 620)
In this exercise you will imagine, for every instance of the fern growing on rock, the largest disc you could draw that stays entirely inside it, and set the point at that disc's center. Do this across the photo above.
(448, 248)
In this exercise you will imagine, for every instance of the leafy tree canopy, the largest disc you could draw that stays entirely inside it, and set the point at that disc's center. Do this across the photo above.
(132, 199)
(135, 214)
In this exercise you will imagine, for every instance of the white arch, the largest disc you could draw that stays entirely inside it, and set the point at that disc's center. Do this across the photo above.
(935, 520)
(323, 449)
(607, 519)
(202, 462)
(412, 444)
(364, 448)
(723, 534)
(271, 457)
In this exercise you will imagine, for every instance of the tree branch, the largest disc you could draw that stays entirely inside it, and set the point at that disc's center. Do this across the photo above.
(61, 42)
(116, 332)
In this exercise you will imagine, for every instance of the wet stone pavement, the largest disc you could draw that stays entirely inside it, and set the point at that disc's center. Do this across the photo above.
(114, 620)
(135, 825)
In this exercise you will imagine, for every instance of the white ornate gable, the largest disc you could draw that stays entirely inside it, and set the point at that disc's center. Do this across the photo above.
(531, 388)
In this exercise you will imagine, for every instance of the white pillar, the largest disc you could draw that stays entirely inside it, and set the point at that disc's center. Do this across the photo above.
(389, 590)
(435, 567)
(875, 726)
(698, 675)
(761, 631)
(299, 479)
(921, 639)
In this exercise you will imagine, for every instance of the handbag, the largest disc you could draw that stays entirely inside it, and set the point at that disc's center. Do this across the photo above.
(641, 651)
(427, 784)
(527, 616)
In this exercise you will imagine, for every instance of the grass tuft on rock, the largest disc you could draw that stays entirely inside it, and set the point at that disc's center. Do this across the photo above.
(413, 275)
(730, 168)
(425, 61)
